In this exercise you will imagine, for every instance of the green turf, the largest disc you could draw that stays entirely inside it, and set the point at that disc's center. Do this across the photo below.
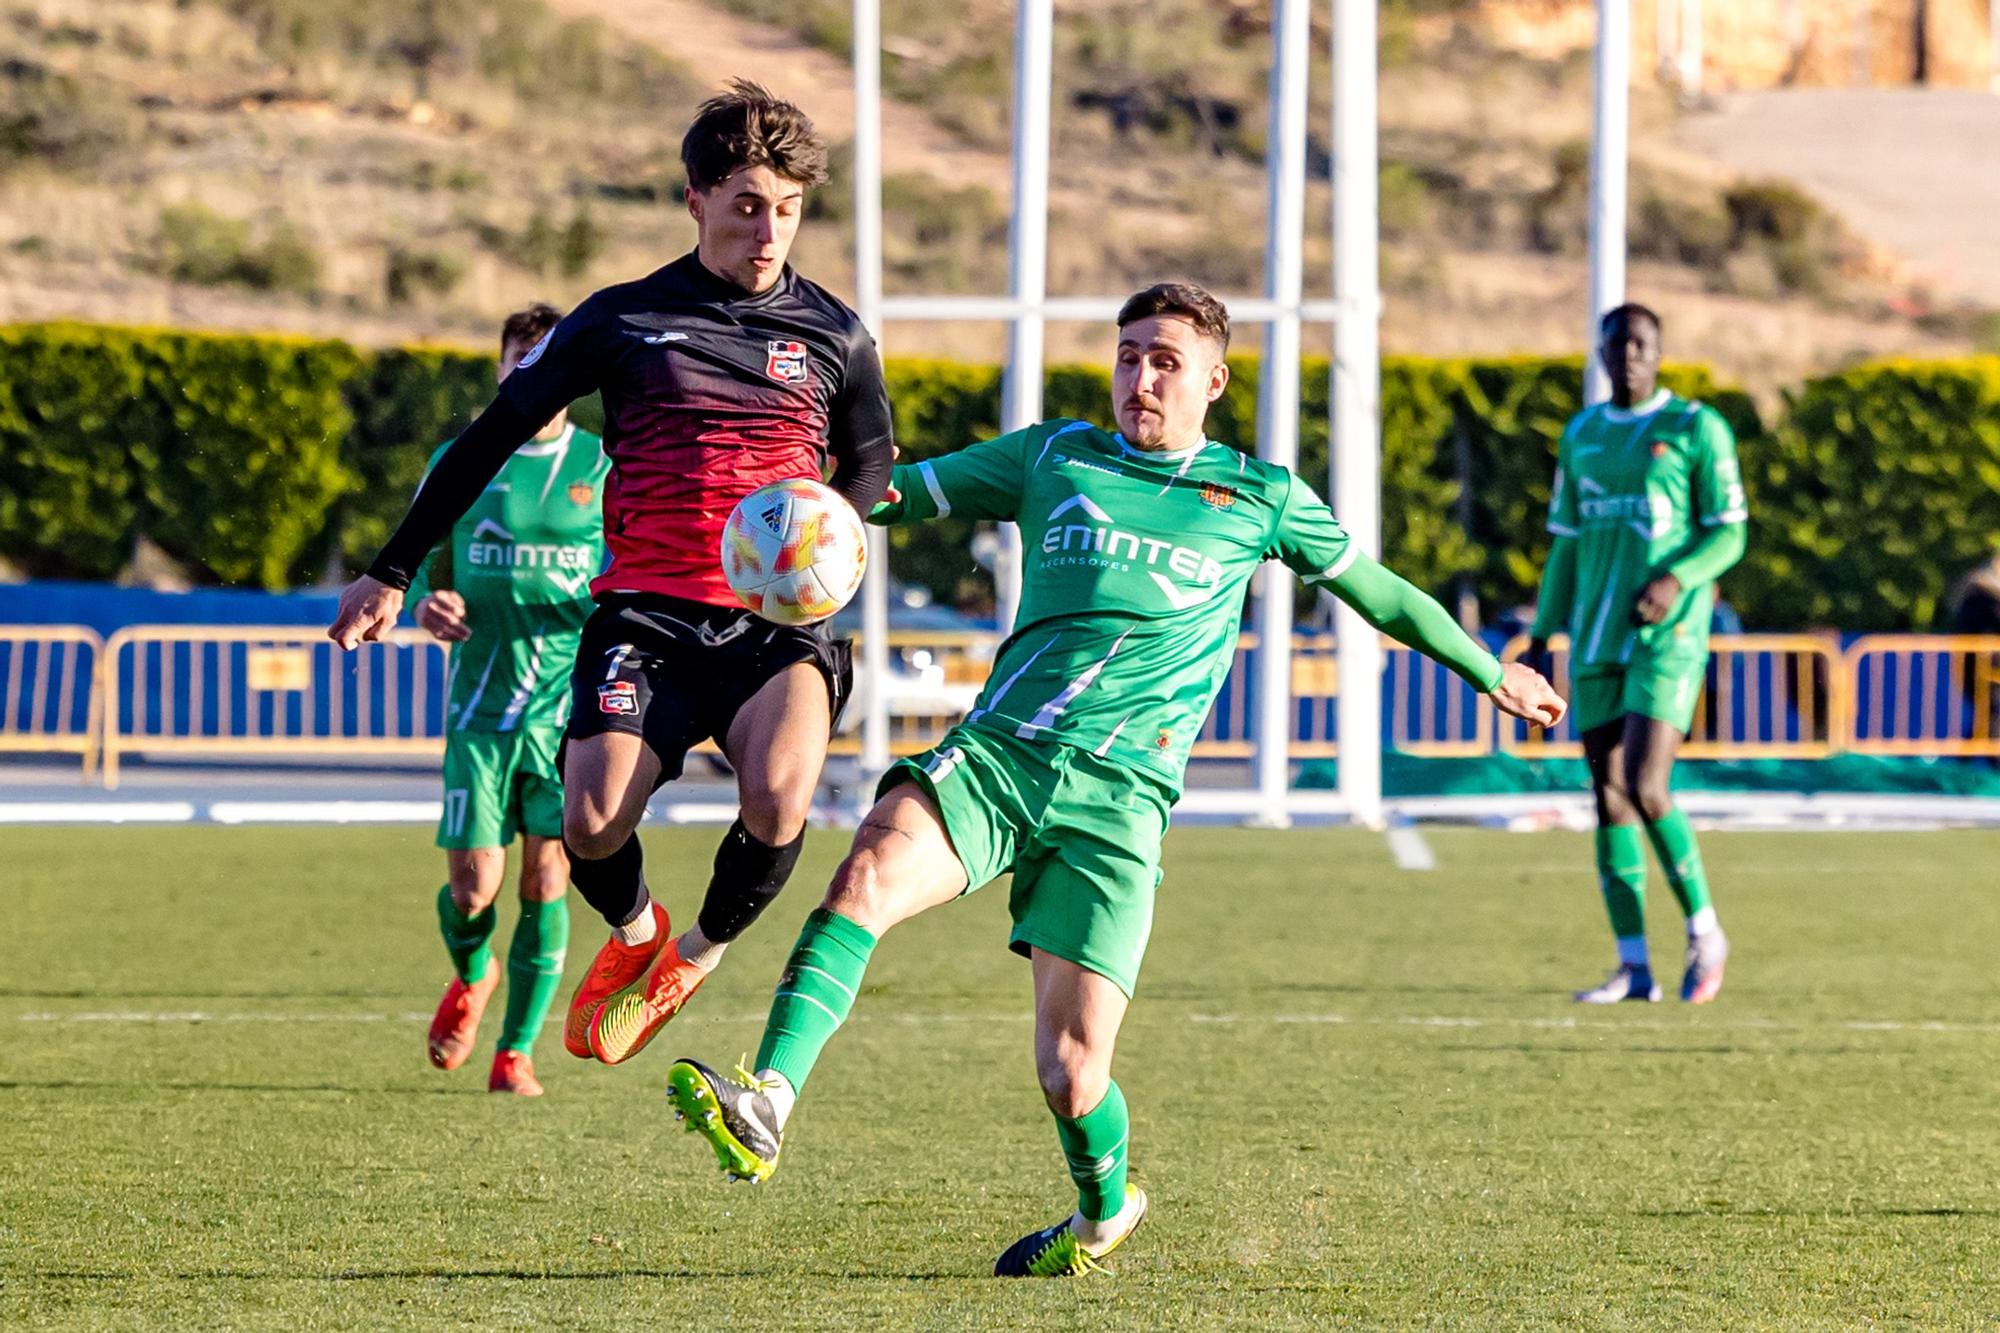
(1360, 1096)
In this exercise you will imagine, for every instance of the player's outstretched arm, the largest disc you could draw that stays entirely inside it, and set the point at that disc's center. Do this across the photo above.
(370, 605)
(982, 481)
(1399, 609)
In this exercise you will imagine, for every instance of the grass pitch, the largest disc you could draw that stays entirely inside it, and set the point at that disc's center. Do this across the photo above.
(1360, 1097)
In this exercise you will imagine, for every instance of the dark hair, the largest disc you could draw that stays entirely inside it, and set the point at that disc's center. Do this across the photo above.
(748, 127)
(1184, 299)
(1626, 313)
(525, 328)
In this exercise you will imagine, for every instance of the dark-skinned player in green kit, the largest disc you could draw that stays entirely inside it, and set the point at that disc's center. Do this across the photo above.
(1647, 511)
(1139, 545)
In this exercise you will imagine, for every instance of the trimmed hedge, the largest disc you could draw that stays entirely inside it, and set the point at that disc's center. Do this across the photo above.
(260, 460)
(224, 450)
(1880, 488)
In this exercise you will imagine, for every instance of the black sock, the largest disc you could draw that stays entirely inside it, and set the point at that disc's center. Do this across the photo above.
(748, 875)
(616, 885)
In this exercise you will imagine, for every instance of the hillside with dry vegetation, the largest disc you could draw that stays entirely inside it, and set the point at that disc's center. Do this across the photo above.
(391, 171)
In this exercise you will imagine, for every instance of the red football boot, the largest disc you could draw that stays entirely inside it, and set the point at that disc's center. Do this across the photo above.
(455, 1028)
(615, 968)
(513, 1072)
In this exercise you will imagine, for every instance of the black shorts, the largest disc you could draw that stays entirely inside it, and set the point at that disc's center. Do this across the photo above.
(675, 673)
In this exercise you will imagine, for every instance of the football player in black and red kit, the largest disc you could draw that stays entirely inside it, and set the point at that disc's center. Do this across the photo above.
(721, 372)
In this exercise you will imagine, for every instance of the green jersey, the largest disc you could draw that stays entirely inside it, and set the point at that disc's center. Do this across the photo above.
(1637, 491)
(522, 558)
(1132, 587)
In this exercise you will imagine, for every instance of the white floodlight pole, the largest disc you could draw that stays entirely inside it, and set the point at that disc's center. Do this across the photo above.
(1356, 391)
(1607, 180)
(868, 304)
(1028, 261)
(1690, 52)
(1278, 385)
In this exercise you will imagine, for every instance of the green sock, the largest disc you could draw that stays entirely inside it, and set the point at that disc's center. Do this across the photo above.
(814, 995)
(534, 972)
(1680, 856)
(1621, 874)
(1094, 1145)
(465, 937)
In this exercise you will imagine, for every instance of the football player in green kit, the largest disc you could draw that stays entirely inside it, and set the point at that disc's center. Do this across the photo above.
(1646, 512)
(510, 590)
(1139, 545)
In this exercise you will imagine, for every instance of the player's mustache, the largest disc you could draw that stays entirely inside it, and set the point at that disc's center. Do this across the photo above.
(1140, 400)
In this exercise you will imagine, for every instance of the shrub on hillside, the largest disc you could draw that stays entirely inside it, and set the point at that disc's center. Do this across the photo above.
(193, 243)
(414, 273)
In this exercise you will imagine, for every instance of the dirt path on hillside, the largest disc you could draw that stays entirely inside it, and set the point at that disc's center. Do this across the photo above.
(718, 46)
(1917, 170)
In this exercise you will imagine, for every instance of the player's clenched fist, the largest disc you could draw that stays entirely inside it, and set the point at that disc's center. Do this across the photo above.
(368, 609)
(443, 614)
(1525, 693)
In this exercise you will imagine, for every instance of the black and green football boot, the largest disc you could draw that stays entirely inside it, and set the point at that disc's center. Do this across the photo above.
(733, 1114)
(1056, 1252)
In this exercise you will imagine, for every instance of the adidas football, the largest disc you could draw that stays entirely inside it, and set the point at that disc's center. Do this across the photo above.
(794, 551)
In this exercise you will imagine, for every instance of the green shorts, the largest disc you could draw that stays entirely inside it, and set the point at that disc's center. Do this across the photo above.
(1080, 834)
(1667, 690)
(498, 784)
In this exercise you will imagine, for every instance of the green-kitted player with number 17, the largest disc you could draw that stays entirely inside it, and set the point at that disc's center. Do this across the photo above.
(1138, 547)
(509, 587)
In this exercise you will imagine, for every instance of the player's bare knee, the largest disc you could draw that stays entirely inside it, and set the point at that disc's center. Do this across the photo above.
(475, 875)
(1653, 800)
(1614, 801)
(592, 834)
(1072, 1080)
(775, 817)
(545, 883)
(857, 892)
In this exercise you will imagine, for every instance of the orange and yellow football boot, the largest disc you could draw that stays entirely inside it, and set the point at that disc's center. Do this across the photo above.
(614, 969)
(628, 1022)
(455, 1027)
(513, 1072)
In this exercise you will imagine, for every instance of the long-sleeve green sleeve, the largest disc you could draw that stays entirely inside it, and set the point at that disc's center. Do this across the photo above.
(1720, 508)
(1711, 555)
(1399, 609)
(1558, 593)
(983, 480)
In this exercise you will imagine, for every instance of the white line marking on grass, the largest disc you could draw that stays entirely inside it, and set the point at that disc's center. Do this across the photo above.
(203, 1015)
(96, 812)
(1410, 850)
(325, 812)
(1605, 1024)
(194, 1016)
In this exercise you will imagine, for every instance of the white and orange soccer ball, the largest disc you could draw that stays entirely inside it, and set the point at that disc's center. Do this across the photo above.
(794, 552)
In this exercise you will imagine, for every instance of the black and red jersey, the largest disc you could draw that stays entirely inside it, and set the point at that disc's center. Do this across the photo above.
(709, 392)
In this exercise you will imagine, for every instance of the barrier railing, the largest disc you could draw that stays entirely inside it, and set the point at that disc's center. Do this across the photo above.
(1427, 710)
(1924, 694)
(1765, 696)
(49, 695)
(262, 691)
(934, 676)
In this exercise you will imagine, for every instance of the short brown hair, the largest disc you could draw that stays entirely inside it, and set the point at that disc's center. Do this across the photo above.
(748, 127)
(525, 328)
(1183, 299)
